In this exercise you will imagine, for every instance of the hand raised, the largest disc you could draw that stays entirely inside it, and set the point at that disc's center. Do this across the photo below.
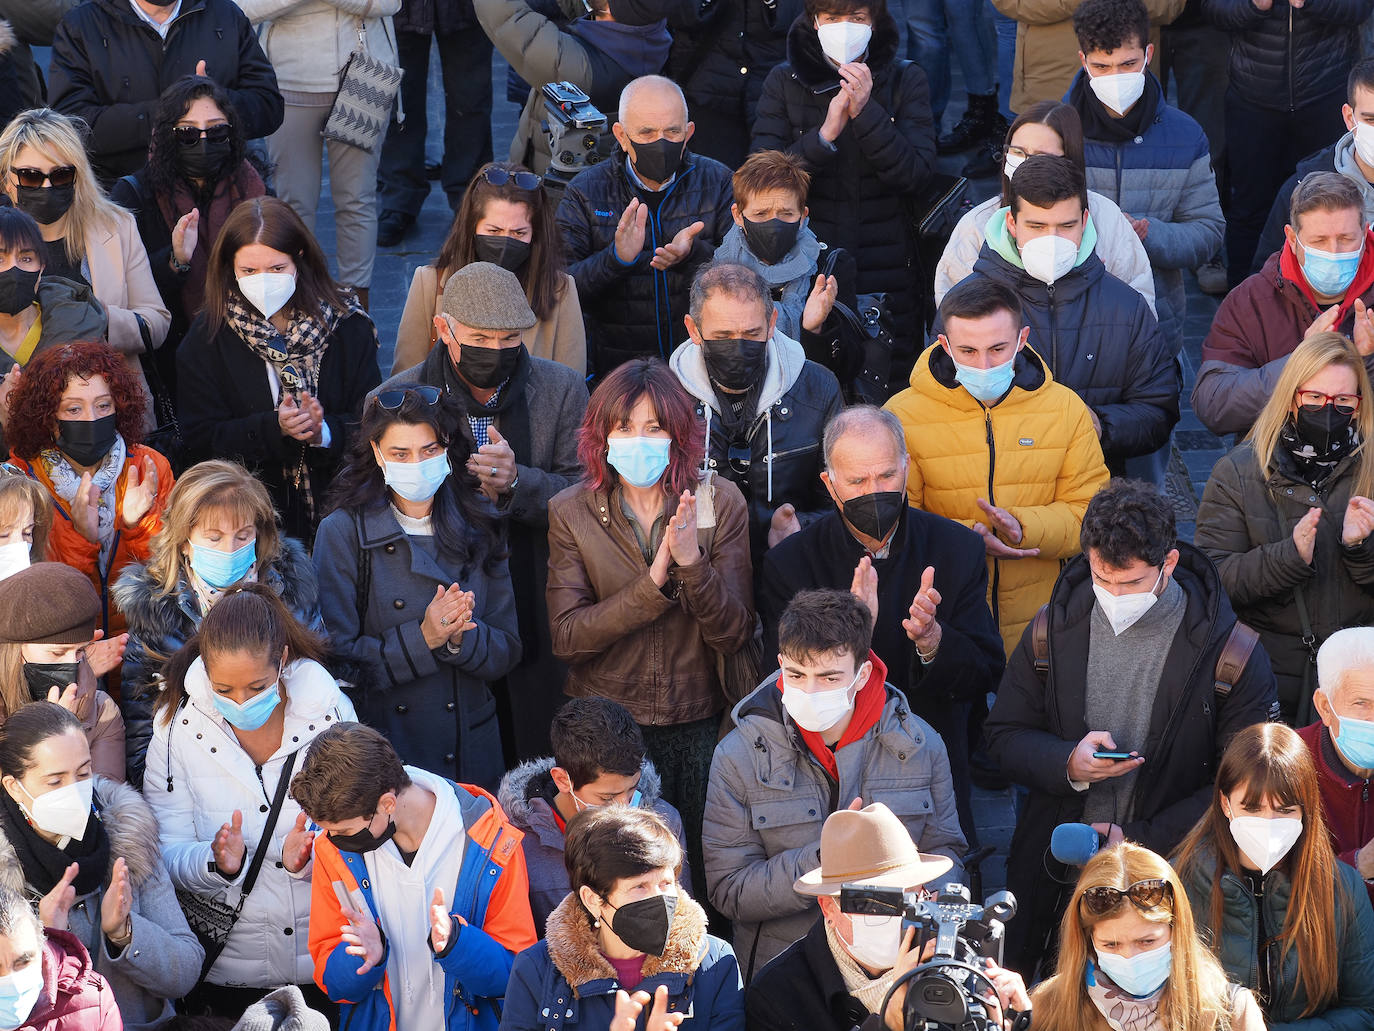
(295, 850)
(681, 531)
(118, 900)
(836, 116)
(140, 491)
(1305, 534)
(865, 586)
(363, 938)
(783, 524)
(85, 509)
(678, 248)
(1363, 333)
(55, 905)
(440, 922)
(104, 654)
(630, 231)
(629, 1007)
(185, 235)
(1325, 322)
(820, 302)
(921, 626)
(1359, 521)
(228, 847)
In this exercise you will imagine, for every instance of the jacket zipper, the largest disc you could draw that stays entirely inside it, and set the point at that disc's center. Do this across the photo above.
(992, 500)
(1118, 149)
(1054, 337)
(1291, 102)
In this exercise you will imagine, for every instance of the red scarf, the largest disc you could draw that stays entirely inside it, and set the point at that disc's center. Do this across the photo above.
(868, 709)
(1364, 277)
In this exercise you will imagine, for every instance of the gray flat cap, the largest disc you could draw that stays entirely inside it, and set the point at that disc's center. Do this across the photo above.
(486, 296)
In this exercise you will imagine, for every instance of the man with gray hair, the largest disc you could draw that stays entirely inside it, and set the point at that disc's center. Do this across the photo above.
(923, 578)
(764, 404)
(637, 226)
(1342, 744)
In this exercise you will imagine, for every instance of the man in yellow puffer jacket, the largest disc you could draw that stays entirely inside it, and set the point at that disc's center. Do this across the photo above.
(999, 446)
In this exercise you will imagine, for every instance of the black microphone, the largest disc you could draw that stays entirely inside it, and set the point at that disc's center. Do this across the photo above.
(1073, 844)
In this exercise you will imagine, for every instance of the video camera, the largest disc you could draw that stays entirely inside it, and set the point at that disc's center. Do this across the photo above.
(578, 133)
(948, 990)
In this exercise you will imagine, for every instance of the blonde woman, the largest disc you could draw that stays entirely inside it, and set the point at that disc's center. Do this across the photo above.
(1287, 515)
(25, 522)
(219, 529)
(1130, 958)
(89, 239)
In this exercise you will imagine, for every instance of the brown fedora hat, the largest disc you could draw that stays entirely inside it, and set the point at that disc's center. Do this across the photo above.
(869, 846)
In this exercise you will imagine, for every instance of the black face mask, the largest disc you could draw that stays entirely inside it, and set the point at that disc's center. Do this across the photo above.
(86, 443)
(875, 515)
(42, 676)
(364, 840)
(44, 204)
(735, 364)
(487, 367)
(1323, 428)
(18, 288)
(506, 251)
(643, 925)
(204, 160)
(658, 162)
(771, 241)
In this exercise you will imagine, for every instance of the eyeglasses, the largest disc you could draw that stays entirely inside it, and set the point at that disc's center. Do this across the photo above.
(393, 399)
(189, 135)
(62, 175)
(1145, 895)
(522, 180)
(1314, 399)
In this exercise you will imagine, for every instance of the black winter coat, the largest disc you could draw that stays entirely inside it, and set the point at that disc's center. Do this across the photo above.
(802, 989)
(1036, 724)
(109, 67)
(1100, 339)
(429, 16)
(1287, 57)
(635, 311)
(1272, 238)
(860, 188)
(226, 410)
(160, 624)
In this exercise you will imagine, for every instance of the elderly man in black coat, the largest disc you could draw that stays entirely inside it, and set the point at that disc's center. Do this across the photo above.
(924, 577)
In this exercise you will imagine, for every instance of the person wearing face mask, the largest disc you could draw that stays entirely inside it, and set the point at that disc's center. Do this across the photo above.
(245, 698)
(859, 118)
(26, 514)
(219, 529)
(830, 717)
(1137, 631)
(1322, 279)
(627, 926)
(520, 444)
(598, 760)
(637, 226)
(274, 370)
(1287, 516)
(505, 218)
(1286, 918)
(1132, 955)
(650, 582)
(86, 848)
(765, 404)
(419, 894)
(1149, 157)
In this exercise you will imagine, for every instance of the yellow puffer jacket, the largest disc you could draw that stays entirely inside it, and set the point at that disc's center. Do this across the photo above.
(1044, 465)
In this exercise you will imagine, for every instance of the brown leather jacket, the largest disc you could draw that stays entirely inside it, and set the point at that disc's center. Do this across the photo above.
(625, 639)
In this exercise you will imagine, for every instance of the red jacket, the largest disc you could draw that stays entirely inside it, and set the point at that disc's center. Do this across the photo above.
(74, 997)
(1346, 803)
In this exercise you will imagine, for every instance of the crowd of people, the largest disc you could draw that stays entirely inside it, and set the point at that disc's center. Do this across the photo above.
(735, 500)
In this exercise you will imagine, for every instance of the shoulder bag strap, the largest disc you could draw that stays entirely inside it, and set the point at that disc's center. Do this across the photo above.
(1234, 655)
(1040, 640)
(260, 853)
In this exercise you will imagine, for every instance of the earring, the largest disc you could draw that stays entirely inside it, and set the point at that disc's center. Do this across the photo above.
(596, 921)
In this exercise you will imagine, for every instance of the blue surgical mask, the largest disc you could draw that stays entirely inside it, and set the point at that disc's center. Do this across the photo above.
(220, 569)
(1140, 975)
(987, 385)
(640, 461)
(1356, 742)
(19, 992)
(253, 713)
(1329, 273)
(417, 481)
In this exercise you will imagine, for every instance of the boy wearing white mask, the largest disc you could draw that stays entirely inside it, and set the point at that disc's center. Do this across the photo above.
(823, 732)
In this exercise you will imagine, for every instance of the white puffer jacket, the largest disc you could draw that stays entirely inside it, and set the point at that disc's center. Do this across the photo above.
(197, 775)
(308, 41)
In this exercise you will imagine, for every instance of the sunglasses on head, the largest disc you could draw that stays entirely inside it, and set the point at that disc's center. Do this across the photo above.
(189, 135)
(63, 175)
(522, 180)
(393, 399)
(1145, 895)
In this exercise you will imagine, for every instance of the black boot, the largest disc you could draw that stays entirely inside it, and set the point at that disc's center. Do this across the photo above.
(981, 120)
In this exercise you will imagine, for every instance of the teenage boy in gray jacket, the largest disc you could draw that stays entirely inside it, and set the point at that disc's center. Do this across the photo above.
(824, 732)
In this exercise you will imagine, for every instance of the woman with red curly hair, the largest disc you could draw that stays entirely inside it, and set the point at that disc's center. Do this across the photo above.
(74, 424)
(649, 575)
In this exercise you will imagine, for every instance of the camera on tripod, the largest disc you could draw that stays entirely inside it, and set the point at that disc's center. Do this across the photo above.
(578, 133)
(949, 989)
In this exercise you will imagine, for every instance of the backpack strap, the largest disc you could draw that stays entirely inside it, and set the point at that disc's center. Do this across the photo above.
(1234, 655)
(1040, 640)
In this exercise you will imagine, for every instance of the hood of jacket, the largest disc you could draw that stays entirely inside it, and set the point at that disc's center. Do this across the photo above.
(638, 49)
(933, 376)
(576, 953)
(517, 791)
(813, 69)
(70, 311)
(999, 238)
(785, 361)
(312, 691)
(68, 974)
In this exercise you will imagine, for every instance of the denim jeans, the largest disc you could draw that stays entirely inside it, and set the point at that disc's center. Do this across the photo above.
(934, 27)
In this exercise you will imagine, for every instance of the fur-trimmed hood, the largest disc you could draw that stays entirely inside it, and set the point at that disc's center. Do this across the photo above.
(574, 949)
(8, 39)
(515, 792)
(129, 822)
(813, 70)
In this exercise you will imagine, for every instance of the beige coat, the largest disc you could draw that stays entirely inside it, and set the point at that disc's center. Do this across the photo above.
(561, 338)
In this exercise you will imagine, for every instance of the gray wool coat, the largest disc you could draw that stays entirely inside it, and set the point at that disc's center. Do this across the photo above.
(162, 961)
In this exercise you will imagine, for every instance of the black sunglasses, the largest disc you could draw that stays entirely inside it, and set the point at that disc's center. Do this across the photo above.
(1145, 895)
(393, 399)
(522, 180)
(62, 175)
(189, 135)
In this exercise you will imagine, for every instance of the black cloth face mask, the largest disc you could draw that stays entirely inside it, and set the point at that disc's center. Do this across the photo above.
(364, 840)
(875, 515)
(41, 676)
(658, 162)
(204, 160)
(508, 252)
(771, 241)
(18, 289)
(86, 443)
(487, 367)
(45, 204)
(735, 364)
(1322, 428)
(644, 925)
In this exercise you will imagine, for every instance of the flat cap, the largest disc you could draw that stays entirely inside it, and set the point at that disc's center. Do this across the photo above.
(483, 295)
(48, 603)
